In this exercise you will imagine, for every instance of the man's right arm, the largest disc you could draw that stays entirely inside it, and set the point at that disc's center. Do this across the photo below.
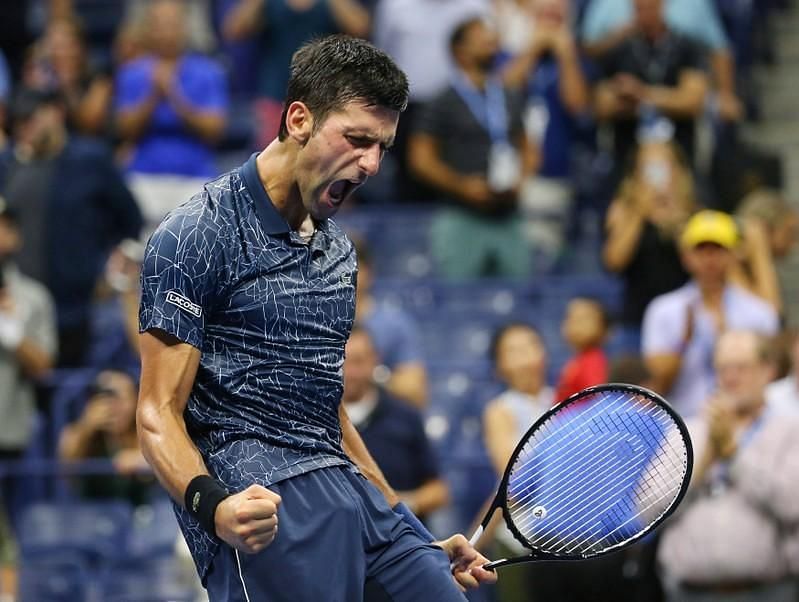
(246, 520)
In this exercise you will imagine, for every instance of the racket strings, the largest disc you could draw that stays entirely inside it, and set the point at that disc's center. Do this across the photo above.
(625, 467)
(531, 468)
(608, 484)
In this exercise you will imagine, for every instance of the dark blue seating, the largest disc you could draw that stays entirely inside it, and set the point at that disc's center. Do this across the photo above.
(96, 531)
(61, 577)
(153, 581)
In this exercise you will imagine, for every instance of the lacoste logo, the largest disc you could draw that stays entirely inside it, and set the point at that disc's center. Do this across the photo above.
(346, 279)
(195, 502)
(184, 304)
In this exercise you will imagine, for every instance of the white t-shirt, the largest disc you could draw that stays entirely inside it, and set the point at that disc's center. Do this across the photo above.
(783, 395)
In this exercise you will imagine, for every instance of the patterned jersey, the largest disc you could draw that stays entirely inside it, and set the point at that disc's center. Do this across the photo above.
(270, 312)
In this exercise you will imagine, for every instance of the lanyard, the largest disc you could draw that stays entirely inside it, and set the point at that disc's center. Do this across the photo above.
(488, 108)
(721, 474)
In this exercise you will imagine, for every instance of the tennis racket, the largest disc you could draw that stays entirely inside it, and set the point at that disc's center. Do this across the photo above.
(595, 473)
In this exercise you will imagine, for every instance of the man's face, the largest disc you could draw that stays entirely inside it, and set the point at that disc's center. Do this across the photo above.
(708, 262)
(338, 157)
(521, 358)
(741, 374)
(359, 365)
(10, 240)
(481, 45)
(166, 30)
(39, 129)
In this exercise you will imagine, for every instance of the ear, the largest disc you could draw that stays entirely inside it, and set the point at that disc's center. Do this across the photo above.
(299, 122)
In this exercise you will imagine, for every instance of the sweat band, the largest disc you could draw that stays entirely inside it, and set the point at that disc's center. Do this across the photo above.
(202, 496)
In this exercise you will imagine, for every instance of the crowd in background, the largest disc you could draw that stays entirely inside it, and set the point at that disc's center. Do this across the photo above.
(532, 124)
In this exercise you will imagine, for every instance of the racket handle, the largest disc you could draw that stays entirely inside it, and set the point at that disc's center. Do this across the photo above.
(476, 537)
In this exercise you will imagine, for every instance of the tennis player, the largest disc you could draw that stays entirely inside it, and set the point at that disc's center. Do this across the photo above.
(248, 296)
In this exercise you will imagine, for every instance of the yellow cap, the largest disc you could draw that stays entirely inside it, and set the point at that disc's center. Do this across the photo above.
(710, 226)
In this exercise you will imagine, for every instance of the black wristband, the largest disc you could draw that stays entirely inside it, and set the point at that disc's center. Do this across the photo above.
(201, 499)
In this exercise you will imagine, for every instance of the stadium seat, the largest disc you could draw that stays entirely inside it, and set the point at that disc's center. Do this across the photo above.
(95, 530)
(58, 578)
(154, 531)
(158, 581)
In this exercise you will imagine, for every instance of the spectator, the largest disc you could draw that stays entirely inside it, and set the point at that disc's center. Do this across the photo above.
(608, 23)
(584, 329)
(106, 429)
(395, 336)
(736, 534)
(60, 63)
(681, 327)
(171, 108)
(557, 96)
(770, 226)
(282, 26)
(520, 361)
(783, 395)
(27, 352)
(468, 143)
(27, 340)
(73, 208)
(115, 314)
(393, 432)
(416, 34)
(654, 70)
(643, 223)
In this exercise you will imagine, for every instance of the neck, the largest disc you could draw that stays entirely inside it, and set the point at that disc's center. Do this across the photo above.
(655, 32)
(276, 167)
(366, 396)
(711, 292)
(531, 387)
(476, 76)
(748, 414)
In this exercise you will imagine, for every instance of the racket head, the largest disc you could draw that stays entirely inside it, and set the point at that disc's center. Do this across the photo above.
(595, 473)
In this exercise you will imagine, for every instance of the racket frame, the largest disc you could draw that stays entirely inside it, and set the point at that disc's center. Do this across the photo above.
(500, 499)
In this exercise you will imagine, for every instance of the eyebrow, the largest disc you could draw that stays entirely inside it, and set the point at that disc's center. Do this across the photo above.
(386, 144)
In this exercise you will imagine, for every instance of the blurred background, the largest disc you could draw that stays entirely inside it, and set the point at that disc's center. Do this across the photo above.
(581, 191)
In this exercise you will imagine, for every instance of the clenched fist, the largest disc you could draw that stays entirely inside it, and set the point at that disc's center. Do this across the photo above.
(248, 520)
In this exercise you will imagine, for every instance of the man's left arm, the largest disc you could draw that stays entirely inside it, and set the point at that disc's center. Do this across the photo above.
(685, 100)
(466, 562)
(355, 448)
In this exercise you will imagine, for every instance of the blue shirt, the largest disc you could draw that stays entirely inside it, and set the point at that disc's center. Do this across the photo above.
(395, 437)
(543, 96)
(395, 335)
(286, 30)
(271, 314)
(695, 18)
(168, 146)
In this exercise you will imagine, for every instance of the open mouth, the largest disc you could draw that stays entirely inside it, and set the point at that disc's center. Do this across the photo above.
(341, 189)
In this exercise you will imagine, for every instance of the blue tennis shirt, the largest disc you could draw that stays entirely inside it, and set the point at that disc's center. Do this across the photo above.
(271, 313)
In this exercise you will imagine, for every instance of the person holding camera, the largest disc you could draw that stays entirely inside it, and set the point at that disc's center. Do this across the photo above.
(107, 429)
(653, 203)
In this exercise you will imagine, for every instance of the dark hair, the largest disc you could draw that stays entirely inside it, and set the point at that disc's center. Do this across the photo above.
(499, 334)
(605, 316)
(28, 100)
(329, 72)
(459, 33)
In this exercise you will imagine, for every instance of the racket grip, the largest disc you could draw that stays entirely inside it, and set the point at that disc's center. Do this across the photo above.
(476, 537)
